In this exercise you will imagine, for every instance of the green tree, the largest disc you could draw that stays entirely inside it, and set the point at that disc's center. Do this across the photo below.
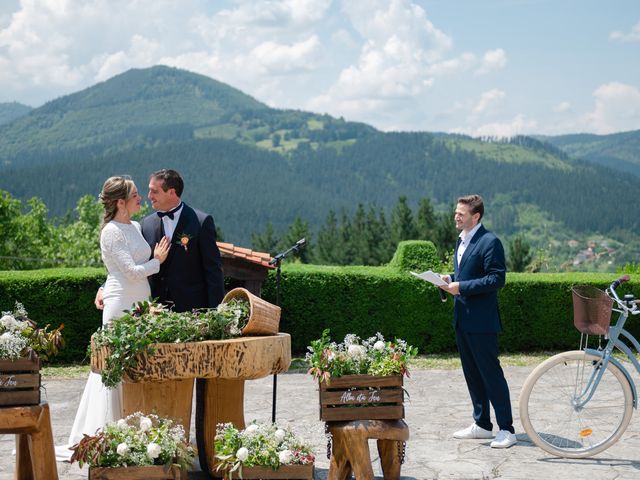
(267, 241)
(425, 220)
(296, 231)
(445, 232)
(329, 247)
(402, 226)
(520, 254)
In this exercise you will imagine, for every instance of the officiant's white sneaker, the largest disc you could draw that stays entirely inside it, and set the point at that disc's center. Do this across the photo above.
(473, 432)
(504, 439)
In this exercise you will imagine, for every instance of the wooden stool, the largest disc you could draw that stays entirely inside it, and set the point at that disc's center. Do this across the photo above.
(35, 455)
(351, 448)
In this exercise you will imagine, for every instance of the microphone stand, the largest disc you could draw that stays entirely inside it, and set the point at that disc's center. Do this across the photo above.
(277, 261)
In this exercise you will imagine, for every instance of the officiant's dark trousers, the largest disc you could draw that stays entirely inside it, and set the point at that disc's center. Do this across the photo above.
(485, 379)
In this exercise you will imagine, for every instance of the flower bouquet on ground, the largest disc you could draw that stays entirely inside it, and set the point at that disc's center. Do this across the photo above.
(22, 346)
(148, 441)
(360, 379)
(148, 323)
(261, 449)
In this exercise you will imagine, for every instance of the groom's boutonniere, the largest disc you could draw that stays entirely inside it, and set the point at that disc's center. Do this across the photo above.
(184, 241)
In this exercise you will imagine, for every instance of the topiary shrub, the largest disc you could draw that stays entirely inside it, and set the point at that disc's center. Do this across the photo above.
(416, 255)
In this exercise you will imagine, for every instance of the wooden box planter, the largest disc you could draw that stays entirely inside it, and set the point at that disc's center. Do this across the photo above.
(137, 473)
(361, 397)
(20, 381)
(288, 472)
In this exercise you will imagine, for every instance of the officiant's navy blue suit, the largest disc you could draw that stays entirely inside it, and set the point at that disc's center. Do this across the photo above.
(190, 277)
(476, 319)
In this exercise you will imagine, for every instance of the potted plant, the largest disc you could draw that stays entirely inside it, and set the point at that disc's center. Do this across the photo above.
(366, 374)
(262, 451)
(22, 346)
(138, 447)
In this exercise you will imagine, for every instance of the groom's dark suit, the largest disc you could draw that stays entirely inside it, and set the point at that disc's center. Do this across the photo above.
(190, 277)
(481, 273)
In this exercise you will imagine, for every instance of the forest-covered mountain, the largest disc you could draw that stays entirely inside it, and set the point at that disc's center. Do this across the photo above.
(12, 110)
(249, 164)
(620, 151)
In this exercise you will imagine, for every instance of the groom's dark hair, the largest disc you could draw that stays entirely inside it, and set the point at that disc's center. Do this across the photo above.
(170, 179)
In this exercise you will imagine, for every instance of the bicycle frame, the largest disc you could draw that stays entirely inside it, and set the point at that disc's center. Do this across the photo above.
(615, 332)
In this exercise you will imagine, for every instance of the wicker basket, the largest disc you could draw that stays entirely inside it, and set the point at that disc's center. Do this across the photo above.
(591, 310)
(264, 317)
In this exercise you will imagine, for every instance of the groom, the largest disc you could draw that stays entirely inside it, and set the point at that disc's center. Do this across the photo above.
(191, 276)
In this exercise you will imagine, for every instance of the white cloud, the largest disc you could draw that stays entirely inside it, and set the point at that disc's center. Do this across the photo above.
(632, 36)
(617, 108)
(492, 60)
(562, 107)
(278, 58)
(487, 99)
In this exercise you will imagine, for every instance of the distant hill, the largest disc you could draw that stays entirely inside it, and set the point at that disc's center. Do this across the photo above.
(11, 111)
(620, 151)
(250, 164)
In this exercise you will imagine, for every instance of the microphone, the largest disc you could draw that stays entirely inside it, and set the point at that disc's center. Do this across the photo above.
(443, 295)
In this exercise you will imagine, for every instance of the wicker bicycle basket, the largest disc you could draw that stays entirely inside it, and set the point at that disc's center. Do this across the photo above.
(264, 317)
(591, 310)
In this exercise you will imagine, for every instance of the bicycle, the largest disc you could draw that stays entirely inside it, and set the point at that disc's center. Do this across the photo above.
(578, 403)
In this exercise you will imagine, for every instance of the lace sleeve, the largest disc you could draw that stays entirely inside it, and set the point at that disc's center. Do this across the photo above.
(117, 254)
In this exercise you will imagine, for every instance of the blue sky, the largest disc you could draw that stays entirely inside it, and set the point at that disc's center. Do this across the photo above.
(490, 67)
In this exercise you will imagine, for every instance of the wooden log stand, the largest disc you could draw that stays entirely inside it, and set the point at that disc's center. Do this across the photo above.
(35, 455)
(164, 381)
(350, 452)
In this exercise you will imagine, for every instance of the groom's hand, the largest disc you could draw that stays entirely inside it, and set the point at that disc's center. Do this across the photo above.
(99, 303)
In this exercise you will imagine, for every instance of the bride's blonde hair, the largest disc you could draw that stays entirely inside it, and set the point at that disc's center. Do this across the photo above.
(114, 189)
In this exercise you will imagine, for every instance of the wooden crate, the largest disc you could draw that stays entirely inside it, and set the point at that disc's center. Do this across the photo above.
(361, 397)
(137, 473)
(20, 381)
(284, 472)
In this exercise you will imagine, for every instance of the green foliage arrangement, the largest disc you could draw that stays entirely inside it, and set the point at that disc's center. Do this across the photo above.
(135, 441)
(147, 323)
(258, 445)
(19, 335)
(355, 356)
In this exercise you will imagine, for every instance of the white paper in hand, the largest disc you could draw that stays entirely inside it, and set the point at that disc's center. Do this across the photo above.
(430, 277)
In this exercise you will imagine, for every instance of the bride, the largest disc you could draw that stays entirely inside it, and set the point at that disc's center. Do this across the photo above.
(126, 255)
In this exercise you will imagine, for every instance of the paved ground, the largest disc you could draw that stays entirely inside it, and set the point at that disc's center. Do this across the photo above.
(438, 405)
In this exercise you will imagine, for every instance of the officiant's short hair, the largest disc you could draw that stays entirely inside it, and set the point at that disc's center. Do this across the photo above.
(170, 179)
(474, 203)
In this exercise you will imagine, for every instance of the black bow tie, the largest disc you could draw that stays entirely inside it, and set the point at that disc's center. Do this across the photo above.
(169, 213)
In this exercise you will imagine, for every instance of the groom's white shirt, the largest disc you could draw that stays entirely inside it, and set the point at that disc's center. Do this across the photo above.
(170, 224)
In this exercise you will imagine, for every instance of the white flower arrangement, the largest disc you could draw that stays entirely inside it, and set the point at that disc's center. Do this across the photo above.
(259, 445)
(354, 356)
(18, 334)
(137, 440)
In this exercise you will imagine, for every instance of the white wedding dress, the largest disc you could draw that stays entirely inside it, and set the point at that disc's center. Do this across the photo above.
(126, 254)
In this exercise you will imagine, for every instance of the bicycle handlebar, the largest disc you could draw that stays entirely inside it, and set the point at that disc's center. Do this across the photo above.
(620, 281)
(612, 293)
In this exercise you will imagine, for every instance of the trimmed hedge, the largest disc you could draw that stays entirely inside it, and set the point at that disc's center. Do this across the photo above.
(536, 308)
(416, 255)
(56, 296)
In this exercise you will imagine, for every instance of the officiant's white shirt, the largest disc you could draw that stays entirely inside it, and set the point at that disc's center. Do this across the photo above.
(170, 224)
(465, 238)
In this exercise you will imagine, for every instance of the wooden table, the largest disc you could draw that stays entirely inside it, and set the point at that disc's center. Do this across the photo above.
(166, 381)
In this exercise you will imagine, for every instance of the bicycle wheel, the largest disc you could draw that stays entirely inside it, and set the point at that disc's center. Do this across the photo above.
(550, 417)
